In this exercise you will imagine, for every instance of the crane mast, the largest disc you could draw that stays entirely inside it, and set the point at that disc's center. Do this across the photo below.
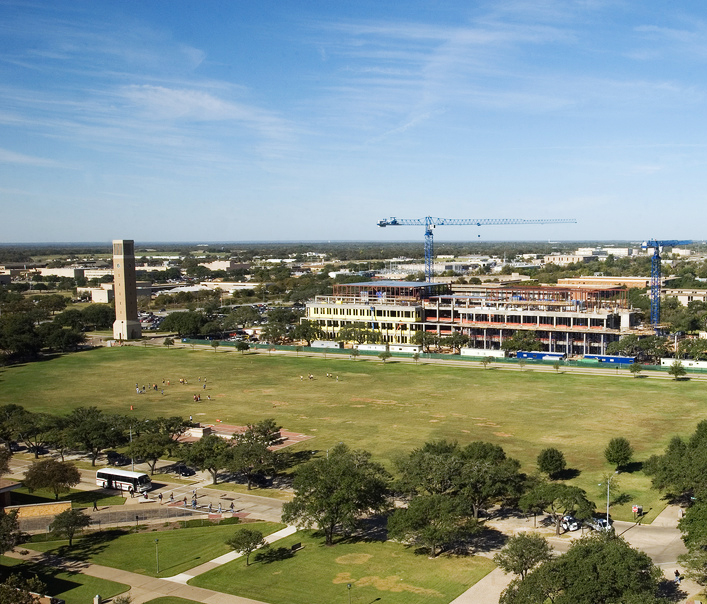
(656, 270)
(430, 222)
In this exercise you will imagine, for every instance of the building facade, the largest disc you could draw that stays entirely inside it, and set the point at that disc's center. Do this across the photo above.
(126, 325)
(571, 321)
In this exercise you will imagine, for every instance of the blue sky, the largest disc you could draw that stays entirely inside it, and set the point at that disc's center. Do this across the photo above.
(270, 120)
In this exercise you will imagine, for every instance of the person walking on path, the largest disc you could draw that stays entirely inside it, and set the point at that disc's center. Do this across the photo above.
(171, 497)
(160, 498)
(95, 505)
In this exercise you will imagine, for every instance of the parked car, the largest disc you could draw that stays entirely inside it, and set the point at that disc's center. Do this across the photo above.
(182, 470)
(599, 524)
(570, 523)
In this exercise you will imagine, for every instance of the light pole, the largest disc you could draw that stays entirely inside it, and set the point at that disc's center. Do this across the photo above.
(349, 587)
(157, 555)
(608, 489)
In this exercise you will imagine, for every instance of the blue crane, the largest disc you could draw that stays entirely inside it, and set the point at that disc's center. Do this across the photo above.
(429, 223)
(655, 273)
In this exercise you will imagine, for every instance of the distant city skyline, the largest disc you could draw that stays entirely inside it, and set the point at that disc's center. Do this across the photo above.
(233, 121)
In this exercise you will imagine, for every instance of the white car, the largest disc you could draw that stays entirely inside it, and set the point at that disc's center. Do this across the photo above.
(599, 524)
(570, 523)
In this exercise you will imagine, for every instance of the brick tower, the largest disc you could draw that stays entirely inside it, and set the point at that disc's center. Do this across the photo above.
(126, 326)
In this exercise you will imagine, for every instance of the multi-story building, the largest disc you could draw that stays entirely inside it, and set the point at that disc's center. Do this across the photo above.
(572, 321)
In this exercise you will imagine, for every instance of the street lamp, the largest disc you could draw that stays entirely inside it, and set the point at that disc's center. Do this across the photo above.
(608, 489)
(349, 587)
(157, 555)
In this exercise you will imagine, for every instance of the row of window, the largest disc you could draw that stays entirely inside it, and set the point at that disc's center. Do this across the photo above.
(363, 312)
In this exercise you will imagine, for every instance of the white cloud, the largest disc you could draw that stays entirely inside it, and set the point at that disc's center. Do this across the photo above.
(11, 157)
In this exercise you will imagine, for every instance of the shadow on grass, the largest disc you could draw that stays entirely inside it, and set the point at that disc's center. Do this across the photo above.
(46, 574)
(622, 498)
(81, 498)
(567, 474)
(273, 554)
(87, 547)
(634, 466)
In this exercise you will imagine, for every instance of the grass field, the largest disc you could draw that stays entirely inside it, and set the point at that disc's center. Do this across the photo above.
(179, 549)
(386, 408)
(375, 570)
(75, 588)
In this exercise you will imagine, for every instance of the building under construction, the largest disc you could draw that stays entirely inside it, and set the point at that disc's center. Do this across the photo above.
(569, 320)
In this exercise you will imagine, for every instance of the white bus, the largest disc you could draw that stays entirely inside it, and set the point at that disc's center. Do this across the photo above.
(123, 480)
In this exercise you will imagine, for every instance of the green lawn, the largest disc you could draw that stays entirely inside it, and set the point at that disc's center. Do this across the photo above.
(75, 588)
(79, 499)
(388, 571)
(386, 408)
(179, 549)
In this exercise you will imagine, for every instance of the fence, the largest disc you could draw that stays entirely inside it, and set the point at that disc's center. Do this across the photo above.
(346, 352)
(120, 517)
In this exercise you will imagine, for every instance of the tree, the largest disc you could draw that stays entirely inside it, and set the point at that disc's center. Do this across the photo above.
(215, 344)
(618, 452)
(523, 552)
(456, 341)
(561, 499)
(487, 475)
(20, 590)
(246, 541)
(10, 533)
(94, 430)
(250, 454)
(335, 491)
(384, 356)
(168, 342)
(307, 330)
(433, 521)
(522, 340)
(150, 447)
(416, 357)
(68, 522)
(358, 333)
(597, 569)
(426, 339)
(355, 353)
(33, 429)
(635, 369)
(551, 461)
(242, 346)
(556, 366)
(208, 453)
(677, 370)
(487, 361)
(58, 476)
(98, 316)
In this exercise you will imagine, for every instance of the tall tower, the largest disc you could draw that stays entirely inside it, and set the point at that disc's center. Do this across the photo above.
(126, 326)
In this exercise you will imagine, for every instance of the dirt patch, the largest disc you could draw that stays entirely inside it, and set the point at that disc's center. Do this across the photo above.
(374, 401)
(503, 434)
(392, 583)
(434, 421)
(354, 559)
(488, 425)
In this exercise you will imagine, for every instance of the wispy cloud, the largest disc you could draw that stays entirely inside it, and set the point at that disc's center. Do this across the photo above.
(12, 157)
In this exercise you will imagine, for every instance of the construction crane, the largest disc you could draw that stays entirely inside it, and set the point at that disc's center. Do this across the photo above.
(429, 223)
(655, 273)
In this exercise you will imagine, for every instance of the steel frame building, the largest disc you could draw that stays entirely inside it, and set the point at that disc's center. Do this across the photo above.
(572, 321)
